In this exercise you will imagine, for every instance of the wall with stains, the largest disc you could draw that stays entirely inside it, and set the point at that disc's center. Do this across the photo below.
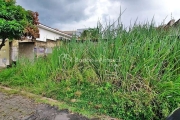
(4, 55)
(26, 50)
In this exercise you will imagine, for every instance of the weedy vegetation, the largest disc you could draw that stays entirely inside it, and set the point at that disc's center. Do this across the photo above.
(128, 74)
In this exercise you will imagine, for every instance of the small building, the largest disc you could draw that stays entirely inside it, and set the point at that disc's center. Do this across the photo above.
(49, 38)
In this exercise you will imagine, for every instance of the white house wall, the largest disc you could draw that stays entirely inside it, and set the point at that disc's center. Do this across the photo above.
(46, 34)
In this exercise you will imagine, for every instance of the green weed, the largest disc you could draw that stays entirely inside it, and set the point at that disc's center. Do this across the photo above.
(132, 75)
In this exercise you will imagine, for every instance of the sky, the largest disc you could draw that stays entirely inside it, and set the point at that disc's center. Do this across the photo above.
(77, 14)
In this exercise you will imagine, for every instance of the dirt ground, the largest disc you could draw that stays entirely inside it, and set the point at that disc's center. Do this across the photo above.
(16, 107)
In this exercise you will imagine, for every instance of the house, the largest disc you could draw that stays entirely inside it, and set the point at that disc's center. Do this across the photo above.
(48, 38)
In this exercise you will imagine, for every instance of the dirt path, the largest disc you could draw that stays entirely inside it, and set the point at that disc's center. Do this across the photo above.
(16, 107)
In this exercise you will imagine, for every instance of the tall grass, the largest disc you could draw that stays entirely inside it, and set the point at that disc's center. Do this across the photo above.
(132, 75)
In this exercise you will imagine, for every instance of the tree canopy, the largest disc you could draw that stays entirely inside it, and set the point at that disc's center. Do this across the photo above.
(91, 33)
(16, 22)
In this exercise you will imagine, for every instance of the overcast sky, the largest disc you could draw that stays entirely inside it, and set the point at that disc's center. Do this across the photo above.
(75, 14)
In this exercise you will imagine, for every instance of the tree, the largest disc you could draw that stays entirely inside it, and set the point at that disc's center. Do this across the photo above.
(94, 34)
(91, 33)
(84, 35)
(16, 22)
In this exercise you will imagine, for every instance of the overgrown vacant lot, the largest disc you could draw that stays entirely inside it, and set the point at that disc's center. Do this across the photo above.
(132, 75)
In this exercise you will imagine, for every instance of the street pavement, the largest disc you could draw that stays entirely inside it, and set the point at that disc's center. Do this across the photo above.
(16, 107)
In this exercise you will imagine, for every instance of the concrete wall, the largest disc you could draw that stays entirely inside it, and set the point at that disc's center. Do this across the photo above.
(26, 49)
(4, 55)
(40, 44)
(48, 43)
(14, 50)
(43, 48)
(51, 44)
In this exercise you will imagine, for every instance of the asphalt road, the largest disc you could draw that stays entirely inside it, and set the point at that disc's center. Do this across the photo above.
(16, 107)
